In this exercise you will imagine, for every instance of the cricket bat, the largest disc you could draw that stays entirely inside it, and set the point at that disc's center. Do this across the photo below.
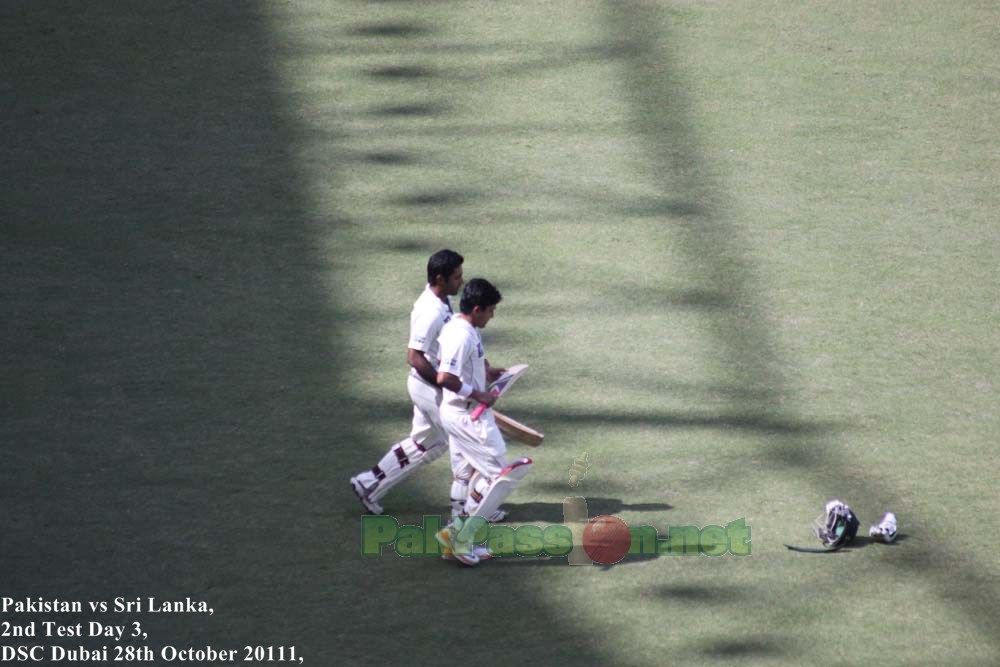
(499, 386)
(515, 430)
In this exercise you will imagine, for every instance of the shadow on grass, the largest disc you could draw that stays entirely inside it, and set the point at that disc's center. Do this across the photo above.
(695, 594)
(401, 29)
(170, 424)
(167, 407)
(176, 418)
(437, 198)
(553, 512)
(757, 423)
(744, 650)
(410, 109)
(401, 72)
(862, 541)
(550, 420)
(388, 158)
(721, 274)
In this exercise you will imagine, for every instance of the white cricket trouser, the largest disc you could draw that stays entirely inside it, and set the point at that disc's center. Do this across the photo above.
(474, 445)
(426, 426)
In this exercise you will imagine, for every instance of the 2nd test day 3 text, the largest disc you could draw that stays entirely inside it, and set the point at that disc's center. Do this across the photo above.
(53, 629)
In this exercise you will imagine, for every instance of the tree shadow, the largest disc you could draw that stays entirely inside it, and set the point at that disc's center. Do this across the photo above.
(698, 595)
(169, 402)
(727, 649)
(759, 423)
(173, 407)
(389, 29)
(436, 198)
(409, 110)
(176, 398)
(389, 158)
(717, 261)
(400, 72)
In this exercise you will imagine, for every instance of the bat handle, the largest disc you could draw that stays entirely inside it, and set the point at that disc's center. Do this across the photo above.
(480, 409)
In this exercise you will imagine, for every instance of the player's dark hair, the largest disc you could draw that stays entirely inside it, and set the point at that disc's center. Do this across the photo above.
(479, 292)
(443, 263)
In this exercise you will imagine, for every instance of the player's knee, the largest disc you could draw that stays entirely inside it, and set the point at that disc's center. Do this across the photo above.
(433, 450)
(464, 472)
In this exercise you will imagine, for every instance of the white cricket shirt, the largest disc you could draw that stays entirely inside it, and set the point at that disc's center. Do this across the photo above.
(428, 316)
(463, 356)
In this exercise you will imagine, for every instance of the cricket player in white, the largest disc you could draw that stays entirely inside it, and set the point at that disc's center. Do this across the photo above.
(427, 439)
(478, 450)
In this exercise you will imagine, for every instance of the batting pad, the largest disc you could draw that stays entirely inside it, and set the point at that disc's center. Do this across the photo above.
(402, 460)
(502, 487)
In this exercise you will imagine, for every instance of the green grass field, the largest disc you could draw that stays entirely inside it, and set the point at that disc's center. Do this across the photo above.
(748, 249)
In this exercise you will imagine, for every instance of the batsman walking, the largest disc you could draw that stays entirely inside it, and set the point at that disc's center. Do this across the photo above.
(427, 440)
(478, 451)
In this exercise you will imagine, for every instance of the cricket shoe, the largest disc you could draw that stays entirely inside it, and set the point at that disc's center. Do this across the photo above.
(884, 530)
(480, 551)
(496, 517)
(363, 495)
(446, 537)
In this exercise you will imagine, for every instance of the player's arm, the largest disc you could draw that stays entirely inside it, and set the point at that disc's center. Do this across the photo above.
(419, 362)
(425, 326)
(454, 383)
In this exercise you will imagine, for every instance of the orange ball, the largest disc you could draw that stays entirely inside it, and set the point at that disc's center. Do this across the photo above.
(606, 539)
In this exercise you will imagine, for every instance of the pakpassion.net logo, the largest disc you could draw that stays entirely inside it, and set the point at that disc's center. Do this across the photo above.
(604, 539)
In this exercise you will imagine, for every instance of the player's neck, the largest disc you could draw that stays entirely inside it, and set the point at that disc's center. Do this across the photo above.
(467, 318)
(438, 291)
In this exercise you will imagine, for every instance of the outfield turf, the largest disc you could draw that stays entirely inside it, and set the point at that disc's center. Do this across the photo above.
(748, 249)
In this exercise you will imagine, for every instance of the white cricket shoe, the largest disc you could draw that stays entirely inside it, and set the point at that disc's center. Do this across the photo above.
(884, 530)
(362, 493)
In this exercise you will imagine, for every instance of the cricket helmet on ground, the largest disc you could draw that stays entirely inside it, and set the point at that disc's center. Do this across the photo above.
(837, 525)
(835, 528)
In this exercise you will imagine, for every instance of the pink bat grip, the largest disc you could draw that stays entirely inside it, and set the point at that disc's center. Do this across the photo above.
(481, 408)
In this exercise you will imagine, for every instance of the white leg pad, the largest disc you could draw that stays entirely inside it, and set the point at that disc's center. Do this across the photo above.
(459, 493)
(499, 490)
(402, 460)
(478, 487)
